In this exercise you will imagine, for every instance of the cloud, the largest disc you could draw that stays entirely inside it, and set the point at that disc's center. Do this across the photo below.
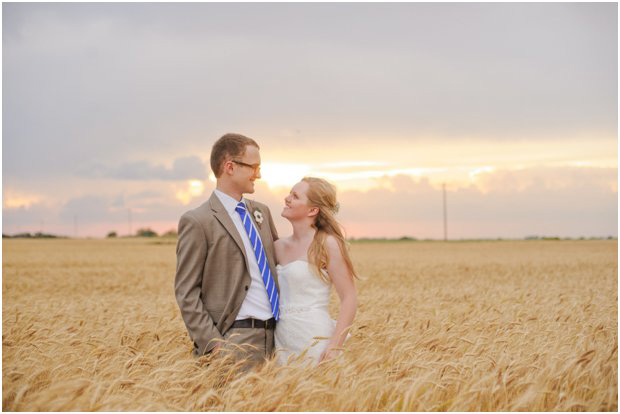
(184, 168)
(540, 179)
(106, 82)
(123, 202)
(146, 195)
(12, 199)
(573, 202)
(33, 218)
(89, 209)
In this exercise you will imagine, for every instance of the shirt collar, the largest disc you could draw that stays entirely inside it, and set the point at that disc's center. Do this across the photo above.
(229, 203)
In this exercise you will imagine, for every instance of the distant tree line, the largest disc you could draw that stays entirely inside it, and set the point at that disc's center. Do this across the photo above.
(146, 232)
(407, 238)
(143, 232)
(37, 235)
(567, 238)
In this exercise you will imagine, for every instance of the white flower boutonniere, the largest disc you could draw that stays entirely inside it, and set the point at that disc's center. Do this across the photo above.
(258, 216)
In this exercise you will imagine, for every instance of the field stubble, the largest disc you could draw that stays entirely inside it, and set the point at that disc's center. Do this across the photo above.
(513, 325)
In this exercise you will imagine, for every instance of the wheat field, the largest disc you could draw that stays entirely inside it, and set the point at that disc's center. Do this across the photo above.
(92, 325)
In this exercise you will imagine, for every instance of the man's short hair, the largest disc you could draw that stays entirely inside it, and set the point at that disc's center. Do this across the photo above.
(228, 146)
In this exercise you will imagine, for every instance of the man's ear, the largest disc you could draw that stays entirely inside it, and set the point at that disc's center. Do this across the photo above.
(314, 211)
(227, 168)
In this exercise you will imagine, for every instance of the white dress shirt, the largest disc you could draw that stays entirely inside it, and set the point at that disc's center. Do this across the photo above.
(256, 303)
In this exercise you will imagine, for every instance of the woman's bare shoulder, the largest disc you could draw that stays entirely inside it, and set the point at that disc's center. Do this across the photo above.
(282, 249)
(332, 243)
(281, 244)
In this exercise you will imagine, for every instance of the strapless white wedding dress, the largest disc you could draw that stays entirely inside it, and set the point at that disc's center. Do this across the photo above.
(304, 314)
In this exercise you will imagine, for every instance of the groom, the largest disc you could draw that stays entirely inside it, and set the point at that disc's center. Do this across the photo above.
(225, 282)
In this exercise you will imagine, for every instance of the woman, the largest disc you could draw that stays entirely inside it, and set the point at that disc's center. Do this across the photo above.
(309, 262)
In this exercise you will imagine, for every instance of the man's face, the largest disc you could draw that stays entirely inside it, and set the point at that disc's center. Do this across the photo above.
(246, 169)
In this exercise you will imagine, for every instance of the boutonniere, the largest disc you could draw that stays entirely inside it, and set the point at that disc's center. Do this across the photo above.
(258, 216)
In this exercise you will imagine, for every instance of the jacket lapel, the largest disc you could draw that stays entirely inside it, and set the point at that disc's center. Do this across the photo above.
(222, 216)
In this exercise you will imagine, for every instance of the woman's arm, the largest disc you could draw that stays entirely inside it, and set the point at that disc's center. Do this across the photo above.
(343, 282)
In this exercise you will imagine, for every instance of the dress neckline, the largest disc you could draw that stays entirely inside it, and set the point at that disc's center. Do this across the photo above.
(289, 263)
(299, 260)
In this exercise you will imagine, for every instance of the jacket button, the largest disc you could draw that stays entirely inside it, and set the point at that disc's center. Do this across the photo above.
(246, 287)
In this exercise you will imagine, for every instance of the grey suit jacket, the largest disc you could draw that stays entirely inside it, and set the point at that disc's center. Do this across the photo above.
(212, 275)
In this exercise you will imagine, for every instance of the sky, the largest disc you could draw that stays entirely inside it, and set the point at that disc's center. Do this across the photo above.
(109, 112)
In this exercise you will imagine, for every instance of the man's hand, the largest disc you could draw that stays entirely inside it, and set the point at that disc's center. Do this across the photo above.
(216, 348)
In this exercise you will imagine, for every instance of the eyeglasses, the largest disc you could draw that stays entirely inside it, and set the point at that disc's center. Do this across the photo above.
(255, 167)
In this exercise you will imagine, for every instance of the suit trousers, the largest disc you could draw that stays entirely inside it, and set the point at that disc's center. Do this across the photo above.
(253, 345)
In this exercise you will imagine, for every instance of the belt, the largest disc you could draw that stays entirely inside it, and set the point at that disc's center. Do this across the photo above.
(255, 323)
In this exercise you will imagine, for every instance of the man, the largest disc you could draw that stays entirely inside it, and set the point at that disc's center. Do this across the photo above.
(225, 282)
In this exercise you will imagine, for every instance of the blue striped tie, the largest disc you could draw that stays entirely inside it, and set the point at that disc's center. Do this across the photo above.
(263, 264)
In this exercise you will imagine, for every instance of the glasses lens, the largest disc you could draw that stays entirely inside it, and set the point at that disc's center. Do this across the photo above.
(256, 168)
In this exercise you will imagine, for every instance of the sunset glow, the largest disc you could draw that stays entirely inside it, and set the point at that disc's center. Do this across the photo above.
(193, 189)
(11, 199)
(283, 175)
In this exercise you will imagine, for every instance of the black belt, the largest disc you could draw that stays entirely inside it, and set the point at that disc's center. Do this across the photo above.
(255, 323)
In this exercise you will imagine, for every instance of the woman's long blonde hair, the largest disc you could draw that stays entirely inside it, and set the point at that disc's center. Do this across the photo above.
(322, 194)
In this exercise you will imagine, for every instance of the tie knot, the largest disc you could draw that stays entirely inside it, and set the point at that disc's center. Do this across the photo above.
(240, 207)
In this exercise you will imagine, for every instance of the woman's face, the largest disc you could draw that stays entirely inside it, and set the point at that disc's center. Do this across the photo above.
(296, 203)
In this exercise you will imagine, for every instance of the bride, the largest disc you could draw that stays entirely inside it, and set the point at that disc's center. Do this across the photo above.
(310, 261)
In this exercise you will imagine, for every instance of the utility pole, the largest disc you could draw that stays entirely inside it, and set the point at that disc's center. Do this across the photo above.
(75, 226)
(445, 214)
(129, 220)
